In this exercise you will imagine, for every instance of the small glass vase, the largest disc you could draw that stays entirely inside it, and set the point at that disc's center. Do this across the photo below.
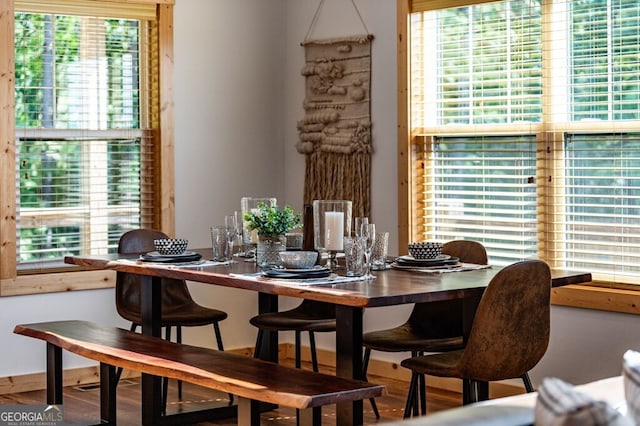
(268, 251)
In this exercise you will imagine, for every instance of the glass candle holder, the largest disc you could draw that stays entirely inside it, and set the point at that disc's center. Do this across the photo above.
(331, 223)
(248, 204)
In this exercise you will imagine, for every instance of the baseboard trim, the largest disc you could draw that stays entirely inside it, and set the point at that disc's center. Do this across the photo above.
(386, 369)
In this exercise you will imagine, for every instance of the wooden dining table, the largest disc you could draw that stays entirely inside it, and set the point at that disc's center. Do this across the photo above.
(390, 287)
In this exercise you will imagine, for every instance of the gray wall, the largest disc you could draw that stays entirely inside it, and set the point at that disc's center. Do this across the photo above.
(238, 94)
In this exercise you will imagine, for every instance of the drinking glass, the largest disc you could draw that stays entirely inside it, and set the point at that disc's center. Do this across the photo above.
(379, 253)
(239, 229)
(219, 243)
(231, 227)
(353, 256)
(368, 240)
(359, 222)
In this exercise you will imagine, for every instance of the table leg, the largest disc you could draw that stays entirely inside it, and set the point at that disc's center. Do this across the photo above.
(151, 305)
(54, 374)
(151, 310)
(269, 347)
(349, 358)
(108, 385)
(469, 307)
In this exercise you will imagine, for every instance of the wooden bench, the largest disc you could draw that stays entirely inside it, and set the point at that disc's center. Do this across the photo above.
(248, 378)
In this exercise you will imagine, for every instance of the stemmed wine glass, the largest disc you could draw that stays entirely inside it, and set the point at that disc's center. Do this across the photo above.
(368, 240)
(359, 222)
(231, 226)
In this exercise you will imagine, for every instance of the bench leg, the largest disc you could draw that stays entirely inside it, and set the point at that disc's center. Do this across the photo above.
(248, 414)
(151, 399)
(309, 416)
(108, 385)
(54, 374)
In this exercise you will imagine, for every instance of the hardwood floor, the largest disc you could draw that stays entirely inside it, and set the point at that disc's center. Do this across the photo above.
(81, 403)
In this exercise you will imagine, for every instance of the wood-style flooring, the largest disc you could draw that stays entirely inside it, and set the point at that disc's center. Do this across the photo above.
(81, 403)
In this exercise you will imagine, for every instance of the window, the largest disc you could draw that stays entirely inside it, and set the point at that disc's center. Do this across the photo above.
(523, 120)
(89, 133)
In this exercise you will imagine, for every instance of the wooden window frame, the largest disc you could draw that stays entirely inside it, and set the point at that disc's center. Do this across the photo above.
(596, 295)
(12, 284)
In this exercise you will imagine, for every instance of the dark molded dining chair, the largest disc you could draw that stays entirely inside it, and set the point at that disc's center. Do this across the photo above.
(431, 326)
(310, 316)
(178, 307)
(509, 335)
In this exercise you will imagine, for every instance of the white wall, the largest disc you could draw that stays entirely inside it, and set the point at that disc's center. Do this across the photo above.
(239, 93)
(228, 91)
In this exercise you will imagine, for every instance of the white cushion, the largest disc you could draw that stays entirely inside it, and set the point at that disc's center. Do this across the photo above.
(631, 379)
(560, 404)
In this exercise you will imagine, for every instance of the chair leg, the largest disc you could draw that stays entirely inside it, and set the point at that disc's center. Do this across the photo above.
(256, 350)
(477, 391)
(482, 390)
(527, 382)
(133, 328)
(314, 355)
(165, 380)
(365, 367)
(216, 331)
(467, 392)
(179, 340)
(423, 394)
(411, 395)
(297, 349)
(422, 387)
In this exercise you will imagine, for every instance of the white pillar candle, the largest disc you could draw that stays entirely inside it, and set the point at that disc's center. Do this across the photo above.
(333, 230)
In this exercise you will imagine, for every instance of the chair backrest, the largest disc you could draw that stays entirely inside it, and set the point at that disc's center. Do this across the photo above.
(444, 318)
(174, 292)
(467, 250)
(510, 331)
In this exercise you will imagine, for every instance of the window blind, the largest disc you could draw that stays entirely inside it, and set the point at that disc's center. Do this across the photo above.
(547, 93)
(145, 11)
(605, 50)
(84, 149)
(483, 188)
(483, 70)
(602, 195)
(426, 5)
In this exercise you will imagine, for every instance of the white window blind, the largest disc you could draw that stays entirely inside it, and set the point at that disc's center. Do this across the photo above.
(144, 11)
(605, 40)
(483, 70)
(83, 142)
(602, 195)
(544, 97)
(484, 190)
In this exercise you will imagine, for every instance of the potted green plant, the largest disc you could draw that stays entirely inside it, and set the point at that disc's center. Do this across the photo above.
(271, 224)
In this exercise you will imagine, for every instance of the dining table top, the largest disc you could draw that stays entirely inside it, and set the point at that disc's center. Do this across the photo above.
(390, 287)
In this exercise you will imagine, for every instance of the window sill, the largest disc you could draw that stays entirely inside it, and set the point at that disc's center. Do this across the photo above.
(596, 297)
(57, 282)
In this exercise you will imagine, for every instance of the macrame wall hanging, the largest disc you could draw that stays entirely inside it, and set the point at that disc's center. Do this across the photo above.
(335, 133)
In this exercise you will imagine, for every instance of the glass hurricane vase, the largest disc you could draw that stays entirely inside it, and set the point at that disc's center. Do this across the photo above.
(268, 251)
(331, 223)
